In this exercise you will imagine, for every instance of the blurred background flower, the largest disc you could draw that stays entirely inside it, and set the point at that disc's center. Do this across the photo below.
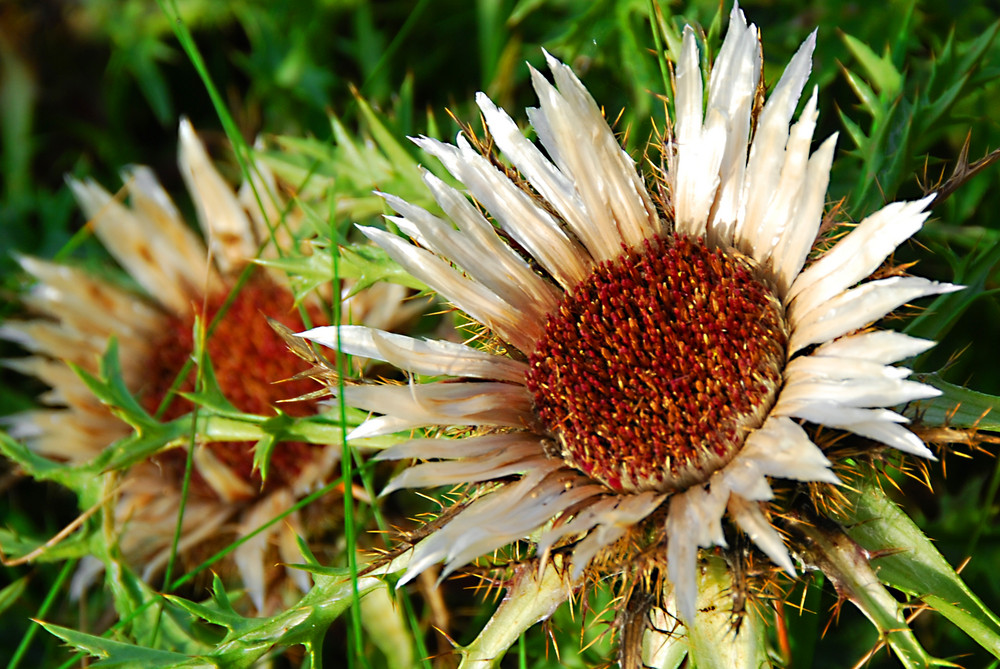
(202, 305)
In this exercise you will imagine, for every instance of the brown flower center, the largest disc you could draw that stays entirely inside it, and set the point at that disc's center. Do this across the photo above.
(656, 367)
(248, 358)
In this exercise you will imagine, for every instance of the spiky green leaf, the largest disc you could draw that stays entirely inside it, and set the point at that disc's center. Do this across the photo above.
(120, 655)
(907, 560)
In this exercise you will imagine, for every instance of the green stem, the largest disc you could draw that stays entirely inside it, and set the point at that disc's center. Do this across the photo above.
(715, 640)
(847, 565)
(43, 611)
(530, 599)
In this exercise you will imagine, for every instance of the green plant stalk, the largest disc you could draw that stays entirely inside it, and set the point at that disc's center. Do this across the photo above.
(186, 41)
(43, 610)
(847, 565)
(713, 641)
(305, 501)
(347, 469)
(188, 463)
(530, 598)
(907, 560)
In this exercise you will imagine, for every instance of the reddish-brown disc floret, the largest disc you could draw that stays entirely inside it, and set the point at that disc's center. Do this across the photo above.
(657, 366)
(248, 358)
